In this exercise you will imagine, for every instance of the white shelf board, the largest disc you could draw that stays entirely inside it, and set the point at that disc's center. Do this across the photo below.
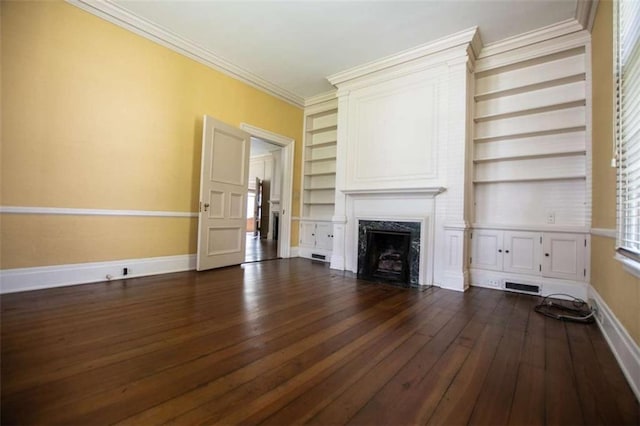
(322, 129)
(321, 144)
(538, 179)
(531, 156)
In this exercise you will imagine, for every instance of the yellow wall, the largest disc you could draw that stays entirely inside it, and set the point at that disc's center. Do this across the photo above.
(620, 290)
(95, 116)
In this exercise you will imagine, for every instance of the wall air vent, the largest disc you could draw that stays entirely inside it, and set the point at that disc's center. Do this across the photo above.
(318, 256)
(522, 288)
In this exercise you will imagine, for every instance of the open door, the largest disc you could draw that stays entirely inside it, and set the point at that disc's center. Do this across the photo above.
(223, 195)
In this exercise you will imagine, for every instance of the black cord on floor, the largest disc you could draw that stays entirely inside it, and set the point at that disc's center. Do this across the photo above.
(581, 312)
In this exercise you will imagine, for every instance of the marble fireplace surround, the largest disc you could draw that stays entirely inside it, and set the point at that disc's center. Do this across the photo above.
(413, 254)
(416, 205)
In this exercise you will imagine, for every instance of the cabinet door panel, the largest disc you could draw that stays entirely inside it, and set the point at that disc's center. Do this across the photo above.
(324, 239)
(487, 250)
(563, 256)
(308, 234)
(522, 252)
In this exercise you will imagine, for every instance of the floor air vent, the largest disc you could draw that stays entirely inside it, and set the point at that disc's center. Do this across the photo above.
(524, 288)
(318, 256)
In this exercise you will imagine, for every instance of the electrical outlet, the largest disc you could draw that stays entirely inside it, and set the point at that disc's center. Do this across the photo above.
(493, 283)
(551, 217)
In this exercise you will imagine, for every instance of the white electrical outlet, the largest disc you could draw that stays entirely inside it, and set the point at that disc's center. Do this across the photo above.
(551, 217)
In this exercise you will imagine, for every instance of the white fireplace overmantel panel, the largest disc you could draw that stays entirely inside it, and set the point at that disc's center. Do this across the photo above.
(393, 133)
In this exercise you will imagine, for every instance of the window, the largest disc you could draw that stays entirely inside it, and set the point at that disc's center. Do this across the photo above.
(627, 80)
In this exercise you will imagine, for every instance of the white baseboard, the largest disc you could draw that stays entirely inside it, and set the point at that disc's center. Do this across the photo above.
(624, 348)
(294, 252)
(22, 279)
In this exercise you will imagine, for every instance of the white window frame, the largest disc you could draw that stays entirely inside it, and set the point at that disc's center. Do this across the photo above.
(627, 91)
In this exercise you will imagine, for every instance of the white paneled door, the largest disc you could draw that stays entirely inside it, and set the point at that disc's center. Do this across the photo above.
(223, 195)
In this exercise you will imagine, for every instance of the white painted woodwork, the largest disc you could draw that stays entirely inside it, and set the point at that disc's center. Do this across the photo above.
(555, 167)
(404, 135)
(533, 73)
(522, 252)
(320, 155)
(324, 238)
(316, 238)
(307, 234)
(537, 146)
(544, 122)
(394, 128)
(487, 250)
(223, 195)
(528, 203)
(551, 97)
(564, 256)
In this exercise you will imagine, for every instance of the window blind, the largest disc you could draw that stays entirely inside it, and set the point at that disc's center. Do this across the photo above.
(627, 76)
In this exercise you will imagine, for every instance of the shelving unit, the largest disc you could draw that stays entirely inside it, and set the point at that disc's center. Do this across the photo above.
(319, 180)
(319, 174)
(531, 153)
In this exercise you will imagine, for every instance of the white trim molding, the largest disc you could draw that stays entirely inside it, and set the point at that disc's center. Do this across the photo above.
(37, 278)
(288, 155)
(92, 212)
(470, 37)
(624, 348)
(118, 15)
(629, 265)
(320, 98)
(604, 232)
(586, 13)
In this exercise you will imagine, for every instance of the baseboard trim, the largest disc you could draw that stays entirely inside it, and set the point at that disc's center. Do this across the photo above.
(294, 252)
(23, 279)
(624, 348)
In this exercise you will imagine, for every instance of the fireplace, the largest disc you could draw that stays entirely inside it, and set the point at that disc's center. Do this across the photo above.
(389, 251)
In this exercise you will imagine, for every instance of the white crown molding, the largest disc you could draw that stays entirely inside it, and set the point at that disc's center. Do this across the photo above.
(586, 13)
(531, 37)
(120, 16)
(540, 47)
(37, 278)
(320, 98)
(466, 37)
(92, 212)
(624, 348)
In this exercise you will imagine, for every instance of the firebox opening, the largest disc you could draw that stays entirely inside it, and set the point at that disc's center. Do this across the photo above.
(387, 256)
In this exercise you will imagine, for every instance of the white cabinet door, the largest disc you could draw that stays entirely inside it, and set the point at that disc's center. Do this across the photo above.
(522, 252)
(308, 234)
(563, 256)
(324, 237)
(487, 250)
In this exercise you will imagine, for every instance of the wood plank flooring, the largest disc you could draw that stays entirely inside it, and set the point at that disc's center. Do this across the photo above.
(259, 249)
(290, 341)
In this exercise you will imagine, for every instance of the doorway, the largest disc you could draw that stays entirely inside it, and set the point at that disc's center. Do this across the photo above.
(264, 200)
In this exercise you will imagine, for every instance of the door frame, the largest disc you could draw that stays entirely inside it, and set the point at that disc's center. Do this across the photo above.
(288, 150)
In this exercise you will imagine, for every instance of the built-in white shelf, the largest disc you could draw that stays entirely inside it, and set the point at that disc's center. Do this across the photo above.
(532, 179)
(530, 156)
(323, 129)
(531, 153)
(320, 143)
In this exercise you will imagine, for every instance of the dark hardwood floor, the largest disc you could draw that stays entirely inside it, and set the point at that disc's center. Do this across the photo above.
(259, 249)
(290, 341)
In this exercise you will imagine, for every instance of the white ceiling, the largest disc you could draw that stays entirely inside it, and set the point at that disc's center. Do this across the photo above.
(296, 44)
